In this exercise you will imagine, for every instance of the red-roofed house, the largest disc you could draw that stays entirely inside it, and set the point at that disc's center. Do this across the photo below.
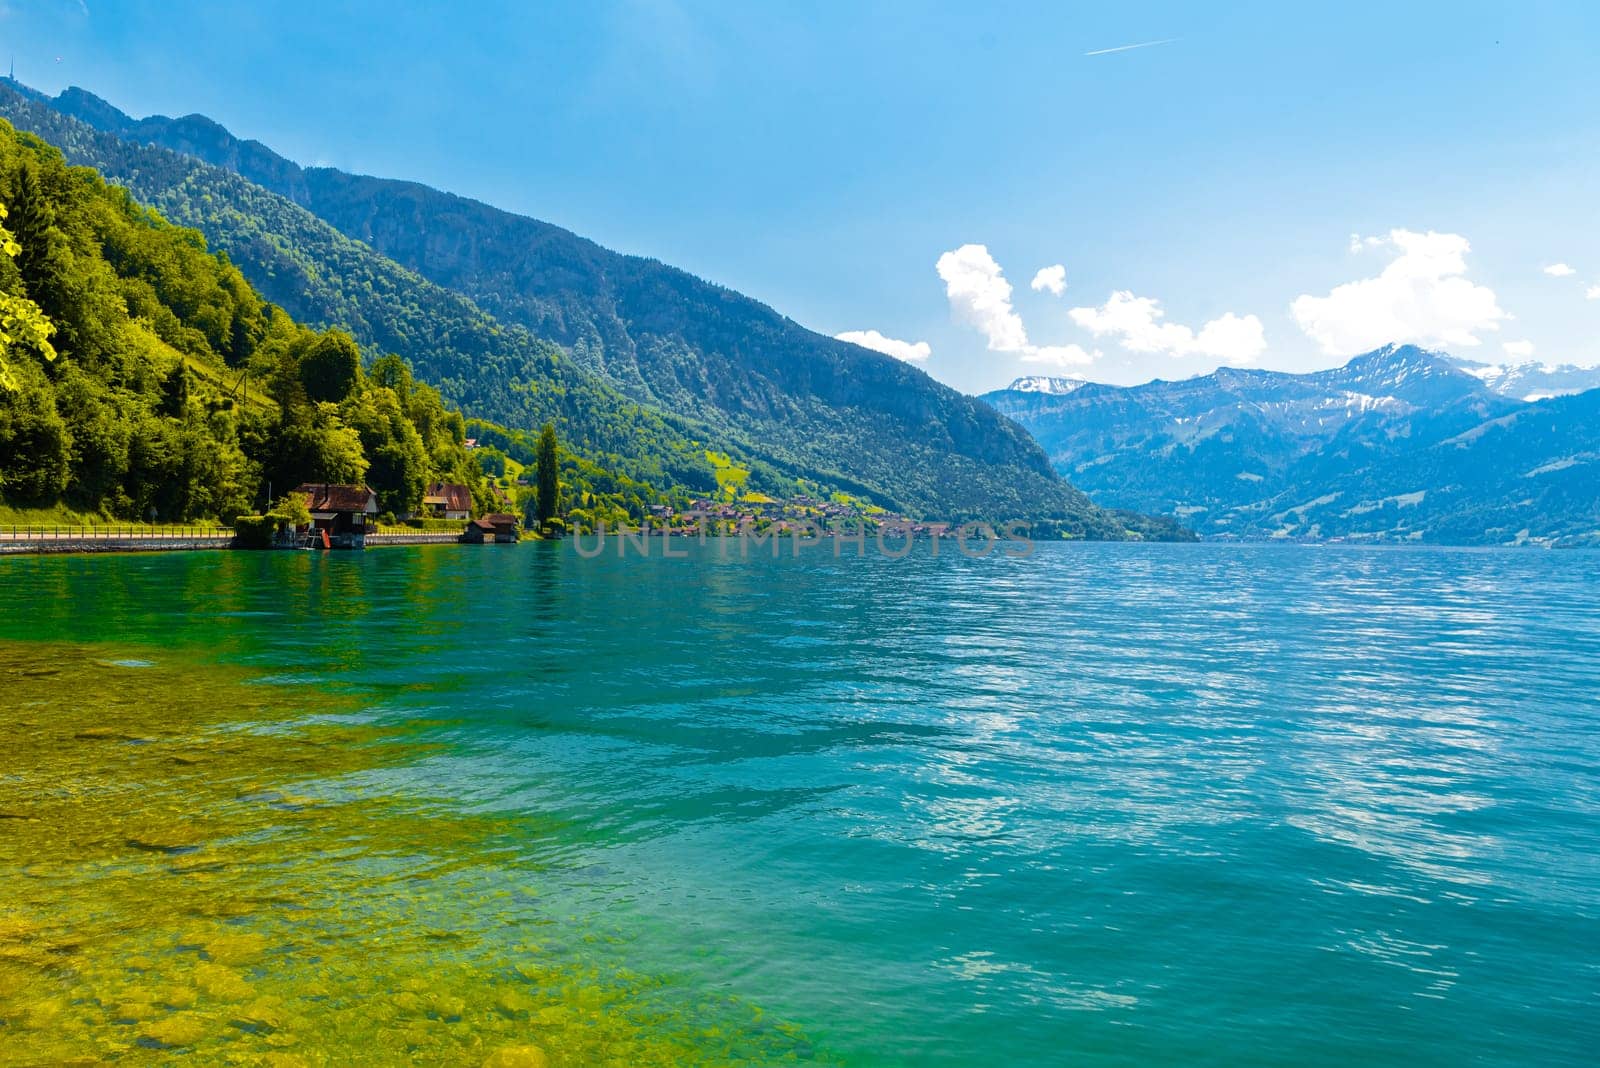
(340, 514)
(447, 500)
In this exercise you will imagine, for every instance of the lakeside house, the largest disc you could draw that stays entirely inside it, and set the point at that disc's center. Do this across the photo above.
(340, 514)
(500, 527)
(447, 500)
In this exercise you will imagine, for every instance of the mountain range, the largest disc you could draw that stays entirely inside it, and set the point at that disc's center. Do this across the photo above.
(518, 320)
(1400, 444)
(1531, 380)
(672, 381)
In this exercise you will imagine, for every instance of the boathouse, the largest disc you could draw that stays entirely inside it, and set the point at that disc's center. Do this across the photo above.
(499, 527)
(340, 514)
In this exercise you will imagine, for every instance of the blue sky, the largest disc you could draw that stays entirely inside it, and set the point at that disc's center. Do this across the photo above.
(1275, 184)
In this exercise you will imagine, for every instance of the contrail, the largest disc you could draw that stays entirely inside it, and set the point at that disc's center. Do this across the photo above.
(1125, 48)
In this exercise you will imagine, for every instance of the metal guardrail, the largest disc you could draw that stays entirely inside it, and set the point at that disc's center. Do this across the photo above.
(113, 533)
(33, 538)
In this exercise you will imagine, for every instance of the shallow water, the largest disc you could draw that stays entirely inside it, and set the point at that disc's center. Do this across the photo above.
(1104, 805)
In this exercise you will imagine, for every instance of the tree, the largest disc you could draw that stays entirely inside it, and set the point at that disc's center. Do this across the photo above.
(391, 372)
(22, 324)
(245, 332)
(41, 255)
(295, 508)
(38, 240)
(331, 367)
(548, 467)
(397, 459)
(175, 392)
(35, 445)
(324, 450)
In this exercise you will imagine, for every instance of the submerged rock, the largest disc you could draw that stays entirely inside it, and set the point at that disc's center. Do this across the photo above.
(409, 1003)
(447, 1006)
(171, 846)
(264, 1014)
(180, 997)
(180, 1029)
(134, 1011)
(234, 948)
(515, 1004)
(163, 836)
(517, 1057)
(220, 981)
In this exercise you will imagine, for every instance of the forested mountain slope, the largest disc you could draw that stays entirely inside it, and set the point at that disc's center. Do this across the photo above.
(141, 377)
(718, 365)
(325, 279)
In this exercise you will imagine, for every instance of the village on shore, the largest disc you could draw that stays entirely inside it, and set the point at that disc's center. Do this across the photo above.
(345, 516)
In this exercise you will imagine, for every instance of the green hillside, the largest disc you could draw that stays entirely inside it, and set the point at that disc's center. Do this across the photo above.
(701, 368)
(162, 386)
(141, 377)
(322, 278)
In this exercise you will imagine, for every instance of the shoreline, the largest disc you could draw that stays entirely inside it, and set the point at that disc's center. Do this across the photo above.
(80, 545)
(99, 546)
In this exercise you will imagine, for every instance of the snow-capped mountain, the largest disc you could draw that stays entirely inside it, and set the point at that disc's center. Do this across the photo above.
(1046, 384)
(1532, 381)
(1400, 443)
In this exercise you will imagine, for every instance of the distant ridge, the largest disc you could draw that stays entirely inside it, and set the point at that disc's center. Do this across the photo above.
(1046, 384)
(1399, 444)
(1532, 380)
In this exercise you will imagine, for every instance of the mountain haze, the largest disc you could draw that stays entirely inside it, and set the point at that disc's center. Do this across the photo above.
(471, 295)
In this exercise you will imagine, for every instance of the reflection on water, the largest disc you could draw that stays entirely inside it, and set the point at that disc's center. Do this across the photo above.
(1107, 805)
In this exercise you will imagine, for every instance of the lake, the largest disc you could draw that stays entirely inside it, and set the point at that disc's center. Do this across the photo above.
(1102, 805)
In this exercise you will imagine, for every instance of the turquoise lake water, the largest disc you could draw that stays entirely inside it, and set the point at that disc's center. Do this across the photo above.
(1105, 805)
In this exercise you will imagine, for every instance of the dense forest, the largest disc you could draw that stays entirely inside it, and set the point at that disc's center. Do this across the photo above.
(323, 278)
(156, 384)
(660, 370)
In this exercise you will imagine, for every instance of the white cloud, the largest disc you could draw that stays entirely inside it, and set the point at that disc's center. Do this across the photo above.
(1136, 323)
(1558, 270)
(910, 351)
(1060, 355)
(1053, 278)
(1421, 296)
(1521, 349)
(979, 294)
(1592, 293)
